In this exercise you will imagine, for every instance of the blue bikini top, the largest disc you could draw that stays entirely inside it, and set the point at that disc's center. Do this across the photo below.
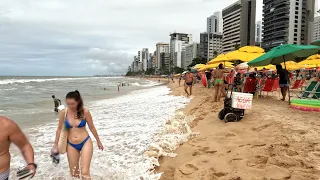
(68, 126)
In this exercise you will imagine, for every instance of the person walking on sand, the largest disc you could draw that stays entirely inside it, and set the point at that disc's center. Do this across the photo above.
(180, 78)
(11, 133)
(74, 118)
(219, 82)
(189, 79)
(283, 80)
(56, 102)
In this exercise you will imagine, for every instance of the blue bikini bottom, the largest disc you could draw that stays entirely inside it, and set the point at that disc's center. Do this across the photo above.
(79, 146)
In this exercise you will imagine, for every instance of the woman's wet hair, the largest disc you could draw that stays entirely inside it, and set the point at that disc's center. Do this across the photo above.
(75, 95)
(220, 66)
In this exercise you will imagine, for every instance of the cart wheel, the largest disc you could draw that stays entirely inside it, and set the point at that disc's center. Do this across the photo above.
(221, 114)
(230, 117)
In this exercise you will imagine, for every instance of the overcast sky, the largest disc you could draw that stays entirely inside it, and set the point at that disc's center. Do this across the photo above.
(86, 37)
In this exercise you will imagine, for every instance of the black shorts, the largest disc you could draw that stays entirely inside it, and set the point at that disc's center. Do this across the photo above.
(189, 83)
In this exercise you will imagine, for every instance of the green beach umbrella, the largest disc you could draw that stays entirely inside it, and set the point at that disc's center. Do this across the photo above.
(283, 53)
(316, 43)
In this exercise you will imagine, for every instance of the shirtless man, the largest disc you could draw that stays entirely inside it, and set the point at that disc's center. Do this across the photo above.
(188, 82)
(218, 82)
(10, 132)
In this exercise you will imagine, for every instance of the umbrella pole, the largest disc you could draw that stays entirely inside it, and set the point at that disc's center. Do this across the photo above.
(288, 79)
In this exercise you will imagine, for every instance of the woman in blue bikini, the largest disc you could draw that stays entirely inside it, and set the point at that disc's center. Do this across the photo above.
(75, 118)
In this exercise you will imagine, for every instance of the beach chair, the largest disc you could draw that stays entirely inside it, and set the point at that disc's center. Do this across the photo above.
(250, 85)
(296, 85)
(268, 86)
(306, 93)
(295, 88)
(302, 83)
(276, 85)
(317, 92)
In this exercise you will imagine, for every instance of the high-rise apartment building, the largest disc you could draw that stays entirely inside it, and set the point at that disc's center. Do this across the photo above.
(191, 52)
(144, 58)
(259, 32)
(239, 24)
(287, 22)
(210, 46)
(316, 29)
(150, 61)
(161, 48)
(214, 23)
(178, 42)
(165, 62)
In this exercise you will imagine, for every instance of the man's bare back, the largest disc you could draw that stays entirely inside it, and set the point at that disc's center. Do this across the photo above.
(219, 73)
(10, 132)
(5, 143)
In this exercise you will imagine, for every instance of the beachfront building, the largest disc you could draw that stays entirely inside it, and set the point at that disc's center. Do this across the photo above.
(214, 23)
(259, 33)
(210, 46)
(150, 61)
(191, 52)
(316, 29)
(135, 64)
(161, 47)
(178, 42)
(132, 66)
(239, 24)
(287, 22)
(144, 58)
(165, 62)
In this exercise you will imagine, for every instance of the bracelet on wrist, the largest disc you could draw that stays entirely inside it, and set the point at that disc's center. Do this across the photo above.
(33, 164)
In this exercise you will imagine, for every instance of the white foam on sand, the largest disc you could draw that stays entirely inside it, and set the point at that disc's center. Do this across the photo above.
(128, 125)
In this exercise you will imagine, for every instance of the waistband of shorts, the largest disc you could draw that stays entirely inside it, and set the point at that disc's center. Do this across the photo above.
(5, 175)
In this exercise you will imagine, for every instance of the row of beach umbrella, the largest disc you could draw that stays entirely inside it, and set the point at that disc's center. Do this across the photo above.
(252, 55)
(289, 55)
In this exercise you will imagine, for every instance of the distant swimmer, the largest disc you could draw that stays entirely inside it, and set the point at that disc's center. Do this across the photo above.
(79, 148)
(56, 102)
(11, 133)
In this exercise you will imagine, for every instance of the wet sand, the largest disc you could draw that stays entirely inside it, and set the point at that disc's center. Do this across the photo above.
(272, 142)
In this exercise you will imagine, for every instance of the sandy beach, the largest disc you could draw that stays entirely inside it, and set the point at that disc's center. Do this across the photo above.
(272, 142)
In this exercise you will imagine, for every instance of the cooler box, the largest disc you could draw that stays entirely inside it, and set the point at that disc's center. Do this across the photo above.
(242, 100)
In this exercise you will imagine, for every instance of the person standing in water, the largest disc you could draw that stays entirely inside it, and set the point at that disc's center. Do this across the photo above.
(74, 118)
(189, 78)
(56, 102)
(11, 133)
(219, 82)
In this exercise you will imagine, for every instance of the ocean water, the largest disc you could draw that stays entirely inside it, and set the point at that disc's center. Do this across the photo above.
(128, 122)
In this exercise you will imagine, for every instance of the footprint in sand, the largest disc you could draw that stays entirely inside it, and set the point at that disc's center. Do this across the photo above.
(258, 162)
(258, 145)
(230, 135)
(260, 128)
(235, 159)
(188, 169)
(204, 150)
(216, 175)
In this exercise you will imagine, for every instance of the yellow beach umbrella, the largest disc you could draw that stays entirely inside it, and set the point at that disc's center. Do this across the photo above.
(271, 67)
(211, 66)
(220, 59)
(246, 53)
(311, 62)
(292, 65)
(198, 66)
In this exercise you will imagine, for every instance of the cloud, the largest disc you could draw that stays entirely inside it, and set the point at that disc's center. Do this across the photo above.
(113, 62)
(81, 37)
